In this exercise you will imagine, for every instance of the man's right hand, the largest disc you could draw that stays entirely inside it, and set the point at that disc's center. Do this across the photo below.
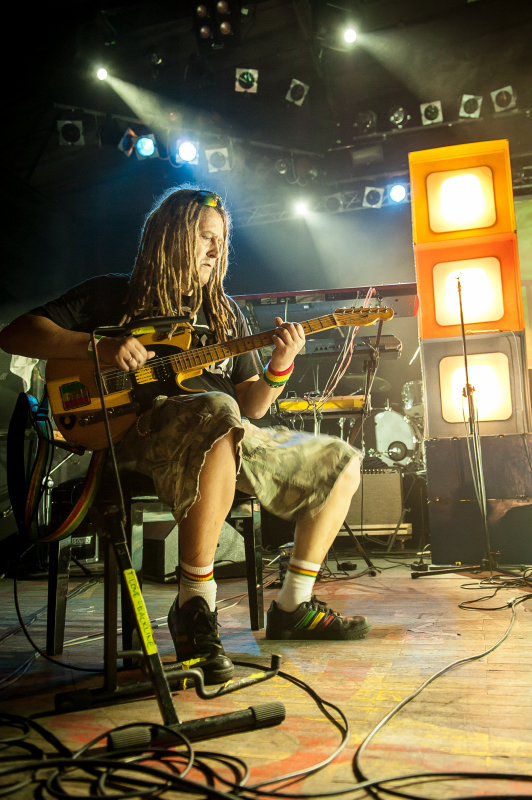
(127, 353)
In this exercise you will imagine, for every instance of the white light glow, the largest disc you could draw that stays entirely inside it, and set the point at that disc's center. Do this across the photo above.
(397, 193)
(489, 373)
(301, 208)
(482, 298)
(187, 151)
(102, 74)
(350, 35)
(461, 199)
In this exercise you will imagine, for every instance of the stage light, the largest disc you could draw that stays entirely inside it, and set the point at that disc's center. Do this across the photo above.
(398, 116)
(470, 106)
(482, 291)
(431, 113)
(246, 80)
(489, 373)
(373, 197)
(350, 35)
(301, 207)
(218, 160)
(281, 165)
(366, 122)
(145, 147)
(397, 193)
(188, 152)
(70, 132)
(503, 99)
(461, 199)
(202, 12)
(297, 92)
(127, 142)
(334, 203)
(101, 74)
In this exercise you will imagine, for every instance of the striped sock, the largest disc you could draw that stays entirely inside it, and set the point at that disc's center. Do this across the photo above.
(197, 582)
(298, 584)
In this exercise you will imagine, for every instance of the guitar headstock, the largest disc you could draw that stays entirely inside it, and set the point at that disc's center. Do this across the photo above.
(362, 316)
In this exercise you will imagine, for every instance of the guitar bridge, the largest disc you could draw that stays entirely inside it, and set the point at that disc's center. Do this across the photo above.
(116, 411)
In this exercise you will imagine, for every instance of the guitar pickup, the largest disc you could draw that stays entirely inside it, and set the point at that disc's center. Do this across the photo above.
(116, 411)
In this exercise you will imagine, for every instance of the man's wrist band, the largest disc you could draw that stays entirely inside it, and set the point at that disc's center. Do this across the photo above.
(90, 351)
(277, 379)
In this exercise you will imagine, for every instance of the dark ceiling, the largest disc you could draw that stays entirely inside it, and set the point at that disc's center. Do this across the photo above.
(407, 52)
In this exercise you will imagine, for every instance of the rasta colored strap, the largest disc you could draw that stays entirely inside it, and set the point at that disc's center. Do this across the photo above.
(25, 495)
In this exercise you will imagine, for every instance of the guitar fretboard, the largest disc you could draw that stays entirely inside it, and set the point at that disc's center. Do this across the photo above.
(204, 356)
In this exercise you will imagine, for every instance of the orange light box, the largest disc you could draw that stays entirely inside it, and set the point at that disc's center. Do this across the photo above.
(461, 191)
(488, 267)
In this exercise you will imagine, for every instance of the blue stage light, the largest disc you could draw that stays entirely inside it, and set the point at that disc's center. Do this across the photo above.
(145, 146)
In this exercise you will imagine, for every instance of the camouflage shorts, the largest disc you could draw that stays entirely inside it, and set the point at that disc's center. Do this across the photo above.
(290, 472)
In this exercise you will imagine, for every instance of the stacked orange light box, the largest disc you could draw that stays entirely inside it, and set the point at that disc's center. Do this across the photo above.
(464, 226)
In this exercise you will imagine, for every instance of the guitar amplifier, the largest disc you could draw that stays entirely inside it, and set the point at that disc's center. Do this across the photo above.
(380, 499)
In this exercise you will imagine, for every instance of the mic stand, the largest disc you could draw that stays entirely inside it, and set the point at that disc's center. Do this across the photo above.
(487, 563)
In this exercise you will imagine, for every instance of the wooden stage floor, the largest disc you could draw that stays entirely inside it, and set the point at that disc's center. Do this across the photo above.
(476, 718)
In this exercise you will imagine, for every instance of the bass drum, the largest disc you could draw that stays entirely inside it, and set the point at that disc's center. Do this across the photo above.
(398, 440)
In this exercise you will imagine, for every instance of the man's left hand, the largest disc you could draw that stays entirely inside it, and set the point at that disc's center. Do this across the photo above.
(289, 339)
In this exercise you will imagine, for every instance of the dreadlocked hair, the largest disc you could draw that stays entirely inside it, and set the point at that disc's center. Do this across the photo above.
(167, 254)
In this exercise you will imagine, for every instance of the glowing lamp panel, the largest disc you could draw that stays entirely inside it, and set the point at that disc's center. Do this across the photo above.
(461, 199)
(481, 282)
(489, 373)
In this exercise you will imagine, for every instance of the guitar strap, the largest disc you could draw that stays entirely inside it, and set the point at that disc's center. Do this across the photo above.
(25, 495)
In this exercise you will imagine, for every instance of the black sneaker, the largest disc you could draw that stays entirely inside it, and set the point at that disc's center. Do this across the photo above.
(313, 620)
(194, 630)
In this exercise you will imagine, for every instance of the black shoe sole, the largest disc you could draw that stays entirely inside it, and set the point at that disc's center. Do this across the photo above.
(211, 674)
(319, 635)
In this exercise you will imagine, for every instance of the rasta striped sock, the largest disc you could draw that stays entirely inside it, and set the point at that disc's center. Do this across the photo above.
(197, 582)
(298, 584)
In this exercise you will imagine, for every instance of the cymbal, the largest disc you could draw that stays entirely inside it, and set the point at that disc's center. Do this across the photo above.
(379, 384)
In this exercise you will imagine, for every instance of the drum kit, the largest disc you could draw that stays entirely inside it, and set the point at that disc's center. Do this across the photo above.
(393, 437)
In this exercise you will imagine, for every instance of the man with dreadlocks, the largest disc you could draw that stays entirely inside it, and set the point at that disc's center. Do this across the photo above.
(198, 445)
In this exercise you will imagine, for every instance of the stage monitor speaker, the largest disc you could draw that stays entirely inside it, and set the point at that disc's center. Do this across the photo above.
(456, 529)
(379, 498)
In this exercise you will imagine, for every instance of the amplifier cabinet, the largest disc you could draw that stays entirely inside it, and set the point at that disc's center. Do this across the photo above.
(456, 528)
(380, 498)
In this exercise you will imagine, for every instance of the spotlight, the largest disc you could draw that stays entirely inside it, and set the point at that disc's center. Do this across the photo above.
(373, 197)
(246, 80)
(187, 151)
(431, 113)
(70, 132)
(350, 35)
(101, 74)
(503, 99)
(366, 122)
(470, 106)
(334, 203)
(145, 147)
(397, 193)
(217, 24)
(281, 165)
(297, 92)
(301, 208)
(127, 142)
(218, 160)
(398, 117)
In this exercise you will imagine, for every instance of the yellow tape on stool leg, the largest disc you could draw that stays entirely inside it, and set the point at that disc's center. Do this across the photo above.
(141, 612)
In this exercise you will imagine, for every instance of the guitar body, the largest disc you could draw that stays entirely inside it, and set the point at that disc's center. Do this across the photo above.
(75, 400)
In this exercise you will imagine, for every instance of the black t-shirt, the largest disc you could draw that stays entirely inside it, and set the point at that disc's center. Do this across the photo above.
(100, 301)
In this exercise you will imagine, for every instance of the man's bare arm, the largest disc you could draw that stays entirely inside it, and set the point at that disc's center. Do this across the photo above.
(39, 337)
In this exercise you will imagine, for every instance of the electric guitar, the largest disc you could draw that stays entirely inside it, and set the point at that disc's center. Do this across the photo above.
(73, 390)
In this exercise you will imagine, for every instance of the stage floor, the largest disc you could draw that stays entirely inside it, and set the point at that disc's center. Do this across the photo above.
(477, 718)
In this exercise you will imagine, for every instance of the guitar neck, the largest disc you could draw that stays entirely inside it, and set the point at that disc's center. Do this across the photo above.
(205, 356)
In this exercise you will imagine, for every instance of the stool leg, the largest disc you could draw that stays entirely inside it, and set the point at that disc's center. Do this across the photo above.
(110, 615)
(59, 569)
(253, 550)
(135, 545)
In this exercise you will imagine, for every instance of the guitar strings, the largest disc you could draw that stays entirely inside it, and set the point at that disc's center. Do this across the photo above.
(211, 350)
